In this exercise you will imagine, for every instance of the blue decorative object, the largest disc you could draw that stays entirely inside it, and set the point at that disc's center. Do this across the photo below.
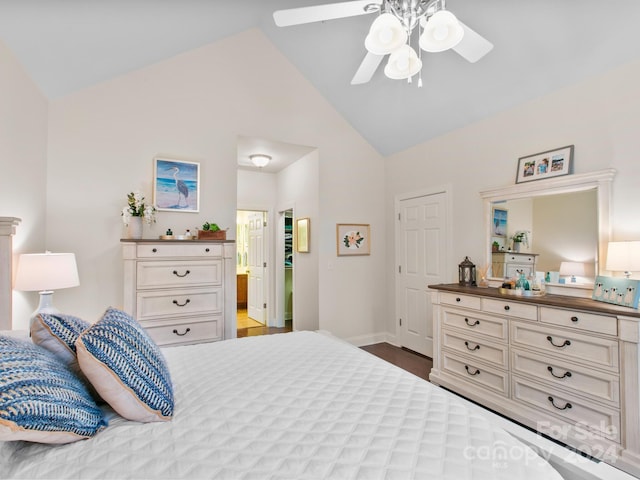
(136, 381)
(41, 399)
(617, 290)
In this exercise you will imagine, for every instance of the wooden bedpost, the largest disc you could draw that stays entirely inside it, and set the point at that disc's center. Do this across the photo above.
(7, 230)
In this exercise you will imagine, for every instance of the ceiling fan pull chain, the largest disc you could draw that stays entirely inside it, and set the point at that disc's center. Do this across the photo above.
(420, 57)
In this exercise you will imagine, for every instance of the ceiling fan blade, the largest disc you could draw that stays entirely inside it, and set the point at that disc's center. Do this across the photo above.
(473, 46)
(318, 13)
(367, 68)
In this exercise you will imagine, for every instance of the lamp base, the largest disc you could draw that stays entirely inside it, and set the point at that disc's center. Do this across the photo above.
(45, 306)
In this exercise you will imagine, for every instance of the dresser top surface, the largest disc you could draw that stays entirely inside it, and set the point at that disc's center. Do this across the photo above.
(549, 299)
(157, 240)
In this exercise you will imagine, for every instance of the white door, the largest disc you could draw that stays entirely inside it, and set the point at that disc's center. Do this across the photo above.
(256, 307)
(422, 261)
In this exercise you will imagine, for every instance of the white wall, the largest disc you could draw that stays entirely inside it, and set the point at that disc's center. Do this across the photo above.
(298, 188)
(600, 116)
(23, 167)
(193, 107)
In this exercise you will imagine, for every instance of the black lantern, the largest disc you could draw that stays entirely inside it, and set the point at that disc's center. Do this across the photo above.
(467, 273)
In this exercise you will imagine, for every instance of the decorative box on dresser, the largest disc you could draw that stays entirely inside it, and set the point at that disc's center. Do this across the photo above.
(181, 291)
(564, 366)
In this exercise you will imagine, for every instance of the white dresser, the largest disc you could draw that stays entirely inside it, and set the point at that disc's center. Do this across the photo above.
(180, 291)
(509, 264)
(564, 366)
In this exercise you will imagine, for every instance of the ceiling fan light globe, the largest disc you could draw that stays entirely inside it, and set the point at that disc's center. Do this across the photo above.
(385, 35)
(442, 31)
(403, 63)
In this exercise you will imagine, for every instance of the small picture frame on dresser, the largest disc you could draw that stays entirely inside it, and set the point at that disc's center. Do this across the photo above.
(617, 290)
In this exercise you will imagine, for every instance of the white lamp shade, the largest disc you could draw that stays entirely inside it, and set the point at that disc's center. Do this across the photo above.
(46, 271)
(572, 268)
(385, 35)
(623, 256)
(260, 160)
(403, 63)
(441, 32)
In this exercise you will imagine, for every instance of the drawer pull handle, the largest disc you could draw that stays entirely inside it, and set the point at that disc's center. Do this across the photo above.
(154, 250)
(566, 343)
(566, 374)
(477, 347)
(507, 308)
(477, 372)
(574, 319)
(566, 405)
(187, 272)
(477, 322)
(458, 299)
(181, 304)
(206, 250)
(182, 334)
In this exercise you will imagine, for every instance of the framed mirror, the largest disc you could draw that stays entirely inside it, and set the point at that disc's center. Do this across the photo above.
(545, 205)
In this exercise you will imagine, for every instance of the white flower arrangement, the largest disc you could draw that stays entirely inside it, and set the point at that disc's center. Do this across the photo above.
(136, 207)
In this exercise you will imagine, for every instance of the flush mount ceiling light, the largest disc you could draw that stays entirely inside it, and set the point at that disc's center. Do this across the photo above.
(391, 32)
(260, 159)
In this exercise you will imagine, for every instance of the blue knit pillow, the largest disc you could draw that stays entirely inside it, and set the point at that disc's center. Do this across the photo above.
(41, 400)
(126, 368)
(58, 334)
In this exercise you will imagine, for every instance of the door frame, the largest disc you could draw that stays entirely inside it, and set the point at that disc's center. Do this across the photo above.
(279, 303)
(267, 255)
(445, 189)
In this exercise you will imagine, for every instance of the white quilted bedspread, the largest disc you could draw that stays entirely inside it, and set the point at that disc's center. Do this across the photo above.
(291, 406)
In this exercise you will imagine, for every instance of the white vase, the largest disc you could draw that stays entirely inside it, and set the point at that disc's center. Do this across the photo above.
(516, 246)
(135, 227)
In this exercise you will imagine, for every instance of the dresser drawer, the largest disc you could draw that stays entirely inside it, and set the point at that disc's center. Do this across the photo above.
(465, 301)
(558, 373)
(588, 322)
(476, 373)
(199, 329)
(598, 419)
(510, 309)
(475, 347)
(587, 350)
(156, 304)
(178, 250)
(167, 274)
(476, 323)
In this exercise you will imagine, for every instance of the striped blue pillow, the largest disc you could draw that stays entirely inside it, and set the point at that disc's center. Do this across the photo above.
(58, 334)
(126, 368)
(41, 400)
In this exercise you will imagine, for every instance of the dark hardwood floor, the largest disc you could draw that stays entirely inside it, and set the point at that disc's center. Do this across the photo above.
(254, 331)
(406, 359)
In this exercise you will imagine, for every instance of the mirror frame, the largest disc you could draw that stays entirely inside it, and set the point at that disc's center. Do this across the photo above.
(600, 181)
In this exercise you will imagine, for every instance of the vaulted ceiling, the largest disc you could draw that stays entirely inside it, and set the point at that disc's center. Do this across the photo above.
(539, 46)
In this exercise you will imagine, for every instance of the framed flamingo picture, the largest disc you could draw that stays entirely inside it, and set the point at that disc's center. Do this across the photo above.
(176, 185)
(353, 239)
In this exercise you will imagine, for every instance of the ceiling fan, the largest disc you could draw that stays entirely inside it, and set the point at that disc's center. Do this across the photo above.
(391, 32)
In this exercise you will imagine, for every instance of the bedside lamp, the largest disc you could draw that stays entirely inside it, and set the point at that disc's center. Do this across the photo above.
(572, 269)
(46, 272)
(623, 257)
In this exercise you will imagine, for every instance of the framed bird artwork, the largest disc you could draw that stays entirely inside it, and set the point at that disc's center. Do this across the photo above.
(176, 185)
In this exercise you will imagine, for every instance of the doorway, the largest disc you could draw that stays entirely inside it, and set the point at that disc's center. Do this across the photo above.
(252, 281)
(288, 268)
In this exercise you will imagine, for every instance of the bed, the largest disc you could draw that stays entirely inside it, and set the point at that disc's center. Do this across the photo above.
(301, 405)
